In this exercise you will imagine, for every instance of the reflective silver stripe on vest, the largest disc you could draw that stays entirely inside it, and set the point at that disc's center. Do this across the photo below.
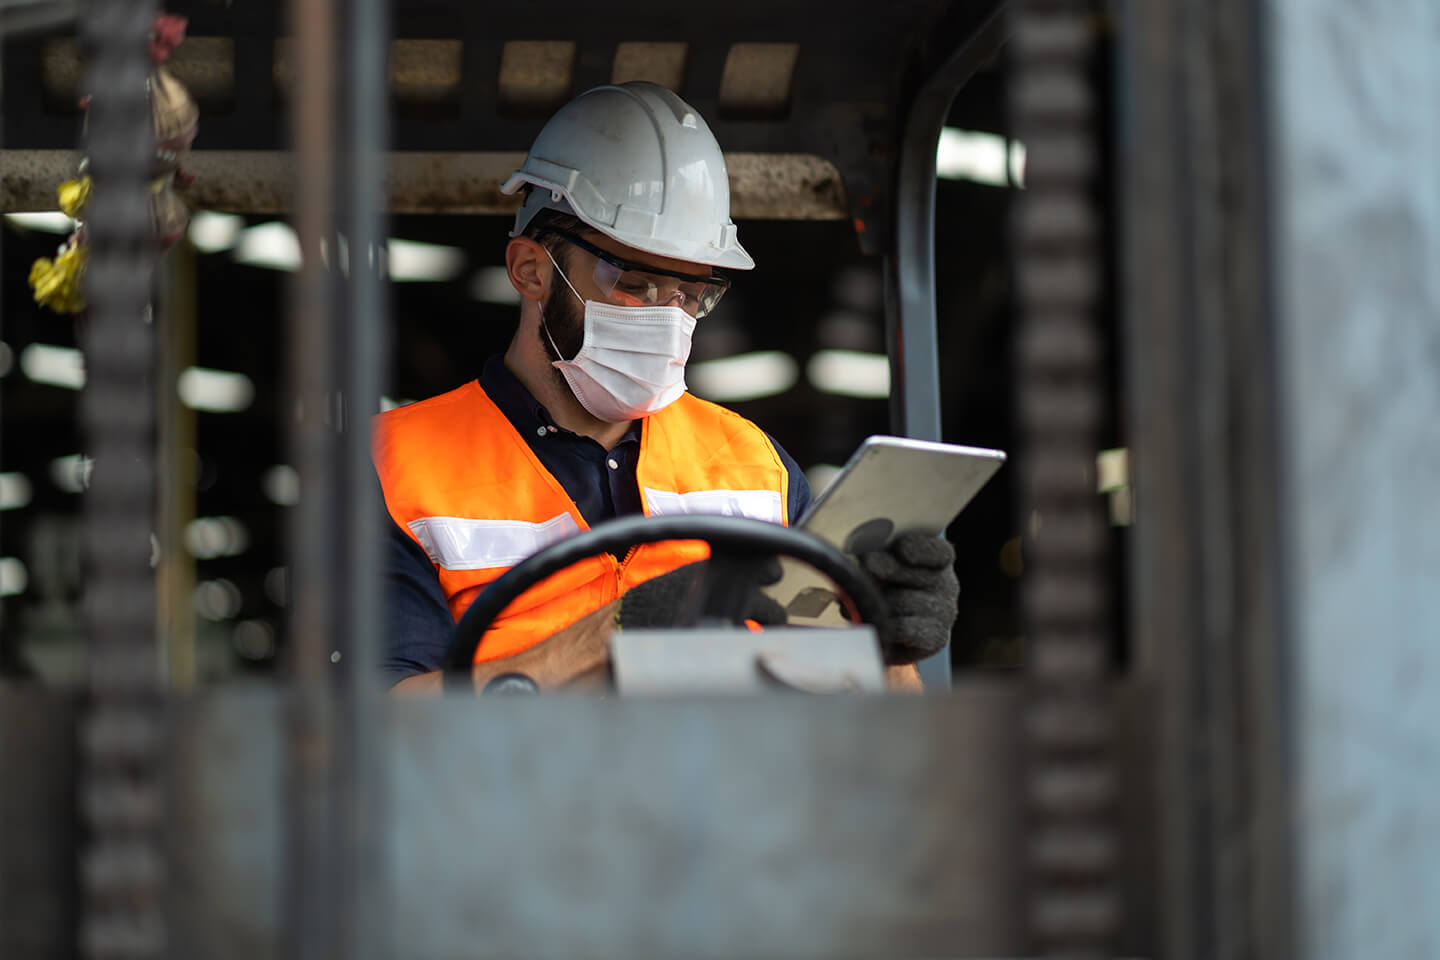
(463, 543)
(764, 505)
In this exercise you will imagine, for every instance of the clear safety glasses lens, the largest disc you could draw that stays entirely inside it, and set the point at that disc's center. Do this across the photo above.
(640, 288)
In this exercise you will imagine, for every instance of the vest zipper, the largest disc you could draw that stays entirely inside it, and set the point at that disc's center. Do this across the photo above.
(629, 555)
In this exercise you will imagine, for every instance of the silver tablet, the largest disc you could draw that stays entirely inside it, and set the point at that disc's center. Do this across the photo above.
(891, 485)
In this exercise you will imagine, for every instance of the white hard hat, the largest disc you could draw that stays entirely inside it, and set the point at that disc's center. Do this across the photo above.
(640, 165)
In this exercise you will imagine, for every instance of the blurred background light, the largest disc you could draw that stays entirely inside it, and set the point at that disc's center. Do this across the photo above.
(980, 158)
(492, 285)
(215, 232)
(271, 245)
(1017, 163)
(747, 376)
(849, 373)
(15, 491)
(215, 391)
(254, 639)
(281, 484)
(209, 537)
(13, 577)
(411, 261)
(54, 366)
(275, 246)
(48, 221)
(218, 599)
(7, 359)
(71, 473)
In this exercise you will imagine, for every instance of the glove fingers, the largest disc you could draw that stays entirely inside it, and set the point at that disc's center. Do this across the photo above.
(880, 565)
(766, 610)
(768, 571)
(884, 567)
(917, 638)
(923, 550)
(921, 618)
(921, 603)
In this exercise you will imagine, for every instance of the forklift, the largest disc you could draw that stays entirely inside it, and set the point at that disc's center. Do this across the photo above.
(1183, 794)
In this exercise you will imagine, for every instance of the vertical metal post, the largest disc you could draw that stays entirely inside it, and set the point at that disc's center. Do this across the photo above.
(362, 336)
(122, 734)
(337, 354)
(311, 901)
(1208, 613)
(1072, 845)
(175, 447)
(910, 277)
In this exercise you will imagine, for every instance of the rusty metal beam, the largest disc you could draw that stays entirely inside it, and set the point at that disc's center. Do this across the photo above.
(763, 186)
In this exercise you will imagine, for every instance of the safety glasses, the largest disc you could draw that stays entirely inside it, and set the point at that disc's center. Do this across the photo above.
(634, 285)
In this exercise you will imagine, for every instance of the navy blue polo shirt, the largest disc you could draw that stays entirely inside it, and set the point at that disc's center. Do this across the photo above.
(601, 482)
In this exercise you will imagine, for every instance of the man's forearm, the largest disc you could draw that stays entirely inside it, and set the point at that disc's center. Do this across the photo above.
(570, 657)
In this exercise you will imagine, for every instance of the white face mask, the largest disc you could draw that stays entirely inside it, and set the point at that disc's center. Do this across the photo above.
(632, 362)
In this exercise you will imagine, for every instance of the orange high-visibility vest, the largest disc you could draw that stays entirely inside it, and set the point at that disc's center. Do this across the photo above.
(466, 486)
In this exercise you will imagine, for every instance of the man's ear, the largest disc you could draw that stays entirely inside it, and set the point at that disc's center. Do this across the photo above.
(529, 268)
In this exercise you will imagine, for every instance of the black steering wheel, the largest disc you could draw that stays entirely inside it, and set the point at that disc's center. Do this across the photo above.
(735, 544)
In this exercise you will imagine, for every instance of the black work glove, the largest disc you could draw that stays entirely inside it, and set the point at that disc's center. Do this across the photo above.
(916, 575)
(659, 601)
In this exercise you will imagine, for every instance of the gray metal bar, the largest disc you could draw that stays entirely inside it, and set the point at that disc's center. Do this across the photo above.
(763, 186)
(1207, 618)
(1072, 848)
(313, 900)
(121, 794)
(363, 337)
(914, 344)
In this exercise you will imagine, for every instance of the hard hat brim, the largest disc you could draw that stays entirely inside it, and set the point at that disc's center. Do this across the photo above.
(731, 257)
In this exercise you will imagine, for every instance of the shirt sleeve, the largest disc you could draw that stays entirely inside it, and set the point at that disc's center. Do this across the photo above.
(418, 621)
(798, 496)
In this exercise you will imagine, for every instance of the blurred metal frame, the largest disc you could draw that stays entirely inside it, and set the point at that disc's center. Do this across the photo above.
(1209, 613)
(337, 357)
(910, 319)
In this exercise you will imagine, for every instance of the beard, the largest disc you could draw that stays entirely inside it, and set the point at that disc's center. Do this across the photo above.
(565, 321)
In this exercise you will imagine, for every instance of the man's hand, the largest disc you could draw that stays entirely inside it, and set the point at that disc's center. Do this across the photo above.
(916, 575)
(657, 602)
(577, 657)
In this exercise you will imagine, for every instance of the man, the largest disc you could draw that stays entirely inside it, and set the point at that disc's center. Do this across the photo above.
(616, 254)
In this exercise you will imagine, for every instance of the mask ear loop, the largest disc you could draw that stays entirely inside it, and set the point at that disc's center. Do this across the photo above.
(543, 325)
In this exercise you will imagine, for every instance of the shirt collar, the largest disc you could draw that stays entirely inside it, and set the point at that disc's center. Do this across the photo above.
(519, 405)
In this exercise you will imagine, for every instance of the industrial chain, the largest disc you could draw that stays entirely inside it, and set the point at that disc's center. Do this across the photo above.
(122, 869)
(1071, 844)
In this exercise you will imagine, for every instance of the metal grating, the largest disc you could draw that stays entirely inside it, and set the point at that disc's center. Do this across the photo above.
(1073, 846)
(122, 732)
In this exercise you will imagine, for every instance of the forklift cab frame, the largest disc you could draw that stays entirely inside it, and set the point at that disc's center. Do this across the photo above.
(314, 817)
